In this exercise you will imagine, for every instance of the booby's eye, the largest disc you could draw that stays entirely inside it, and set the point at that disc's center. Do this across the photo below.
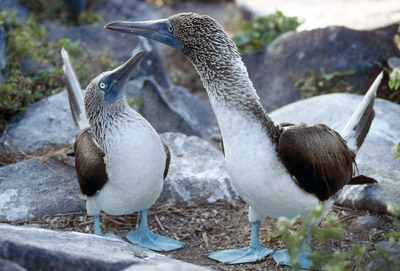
(171, 28)
(102, 85)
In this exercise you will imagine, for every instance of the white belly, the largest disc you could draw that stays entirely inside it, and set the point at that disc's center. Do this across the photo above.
(135, 163)
(257, 173)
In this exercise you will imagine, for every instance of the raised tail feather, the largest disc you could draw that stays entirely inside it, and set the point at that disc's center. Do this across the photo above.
(357, 127)
(75, 96)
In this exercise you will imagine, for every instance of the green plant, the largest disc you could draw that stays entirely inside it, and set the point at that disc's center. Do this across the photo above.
(260, 32)
(397, 37)
(55, 10)
(396, 151)
(322, 82)
(332, 229)
(27, 41)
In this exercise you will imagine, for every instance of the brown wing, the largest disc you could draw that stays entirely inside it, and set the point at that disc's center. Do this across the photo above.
(89, 163)
(318, 158)
(168, 159)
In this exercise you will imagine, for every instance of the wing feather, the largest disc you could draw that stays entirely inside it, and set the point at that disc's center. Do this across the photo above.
(318, 158)
(89, 163)
(168, 158)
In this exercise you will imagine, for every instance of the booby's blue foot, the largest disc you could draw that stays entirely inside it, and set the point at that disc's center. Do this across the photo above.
(98, 231)
(145, 238)
(249, 254)
(282, 258)
(241, 255)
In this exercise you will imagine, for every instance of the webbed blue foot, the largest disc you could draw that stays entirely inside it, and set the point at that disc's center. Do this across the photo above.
(145, 238)
(282, 258)
(98, 231)
(249, 254)
(241, 255)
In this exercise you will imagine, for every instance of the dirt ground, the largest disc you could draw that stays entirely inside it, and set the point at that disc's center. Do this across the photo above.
(213, 227)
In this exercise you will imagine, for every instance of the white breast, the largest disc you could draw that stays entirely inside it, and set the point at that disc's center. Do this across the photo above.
(256, 171)
(135, 163)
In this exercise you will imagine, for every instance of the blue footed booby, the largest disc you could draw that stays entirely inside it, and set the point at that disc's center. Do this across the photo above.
(120, 160)
(279, 170)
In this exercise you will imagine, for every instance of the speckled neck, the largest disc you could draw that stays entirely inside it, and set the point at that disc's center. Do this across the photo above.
(228, 85)
(104, 117)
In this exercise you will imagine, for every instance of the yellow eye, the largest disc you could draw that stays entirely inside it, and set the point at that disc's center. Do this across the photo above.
(102, 85)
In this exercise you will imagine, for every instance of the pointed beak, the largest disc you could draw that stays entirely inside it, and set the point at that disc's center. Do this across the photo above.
(119, 77)
(158, 30)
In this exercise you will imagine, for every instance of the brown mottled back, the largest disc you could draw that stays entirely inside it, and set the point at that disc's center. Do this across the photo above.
(318, 158)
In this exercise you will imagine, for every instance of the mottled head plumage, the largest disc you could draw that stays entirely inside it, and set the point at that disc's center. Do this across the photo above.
(201, 37)
(104, 100)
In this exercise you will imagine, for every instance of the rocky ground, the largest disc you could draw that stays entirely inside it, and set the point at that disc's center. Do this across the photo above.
(220, 225)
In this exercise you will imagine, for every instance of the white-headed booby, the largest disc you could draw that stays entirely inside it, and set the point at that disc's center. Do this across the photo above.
(120, 160)
(278, 170)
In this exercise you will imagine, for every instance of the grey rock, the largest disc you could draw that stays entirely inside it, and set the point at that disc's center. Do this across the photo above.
(47, 125)
(374, 158)
(34, 188)
(197, 174)
(293, 55)
(151, 64)
(3, 53)
(133, 10)
(394, 63)
(95, 38)
(181, 111)
(9, 5)
(39, 249)
(366, 222)
(30, 66)
(381, 263)
(6, 265)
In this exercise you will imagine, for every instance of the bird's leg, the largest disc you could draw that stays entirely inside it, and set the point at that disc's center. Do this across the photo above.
(282, 257)
(249, 254)
(97, 226)
(98, 231)
(145, 238)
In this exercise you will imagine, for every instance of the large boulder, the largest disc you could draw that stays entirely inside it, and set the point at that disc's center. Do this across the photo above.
(294, 55)
(374, 158)
(38, 187)
(197, 173)
(39, 249)
(47, 125)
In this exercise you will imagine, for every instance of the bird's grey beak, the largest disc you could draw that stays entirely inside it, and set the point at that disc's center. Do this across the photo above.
(158, 30)
(117, 78)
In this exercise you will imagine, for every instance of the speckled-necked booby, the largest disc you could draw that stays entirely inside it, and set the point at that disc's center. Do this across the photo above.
(278, 170)
(120, 160)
